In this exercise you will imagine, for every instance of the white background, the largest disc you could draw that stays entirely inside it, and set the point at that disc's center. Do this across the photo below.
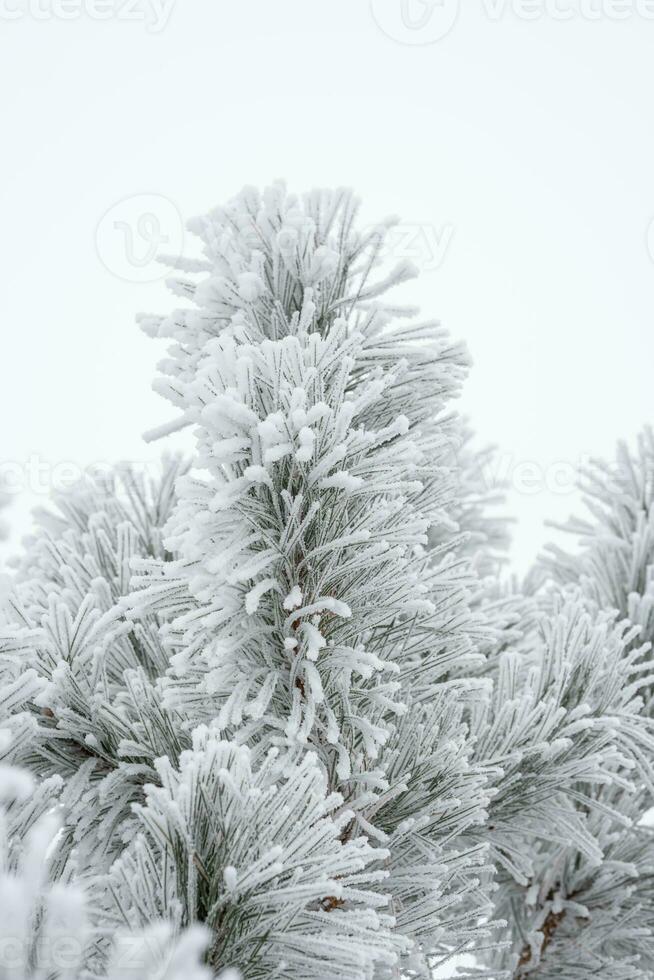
(522, 143)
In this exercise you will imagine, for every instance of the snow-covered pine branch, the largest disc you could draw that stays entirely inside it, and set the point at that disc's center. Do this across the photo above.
(615, 560)
(78, 676)
(46, 929)
(266, 698)
(305, 609)
(259, 856)
(586, 904)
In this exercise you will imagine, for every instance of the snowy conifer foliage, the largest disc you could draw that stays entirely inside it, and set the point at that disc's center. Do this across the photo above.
(276, 712)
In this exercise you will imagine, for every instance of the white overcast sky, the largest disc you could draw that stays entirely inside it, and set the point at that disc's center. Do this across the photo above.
(518, 148)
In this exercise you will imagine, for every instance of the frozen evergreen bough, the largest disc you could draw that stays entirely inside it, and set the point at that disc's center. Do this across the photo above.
(270, 697)
(46, 929)
(480, 532)
(305, 609)
(576, 775)
(584, 917)
(586, 914)
(563, 722)
(84, 672)
(615, 560)
(268, 437)
(259, 856)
